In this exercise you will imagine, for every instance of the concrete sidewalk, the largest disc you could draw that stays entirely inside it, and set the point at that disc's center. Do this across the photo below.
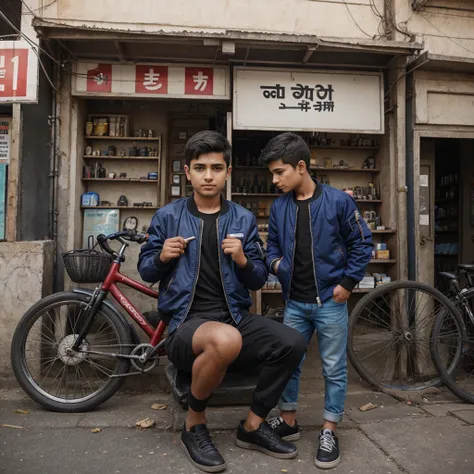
(434, 437)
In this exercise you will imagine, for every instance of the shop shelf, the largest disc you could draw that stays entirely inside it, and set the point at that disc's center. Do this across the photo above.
(133, 139)
(373, 201)
(122, 158)
(135, 208)
(383, 261)
(335, 147)
(123, 180)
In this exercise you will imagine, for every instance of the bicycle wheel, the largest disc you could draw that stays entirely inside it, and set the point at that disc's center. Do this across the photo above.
(62, 381)
(452, 338)
(390, 334)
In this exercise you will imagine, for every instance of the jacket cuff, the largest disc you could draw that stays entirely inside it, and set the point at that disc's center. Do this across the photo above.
(348, 283)
(249, 266)
(158, 264)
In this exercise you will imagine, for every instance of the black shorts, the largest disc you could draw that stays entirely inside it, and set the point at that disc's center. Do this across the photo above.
(179, 346)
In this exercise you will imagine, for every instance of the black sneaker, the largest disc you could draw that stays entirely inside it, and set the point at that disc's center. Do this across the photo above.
(327, 456)
(264, 439)
(284, 430)
(201, 449)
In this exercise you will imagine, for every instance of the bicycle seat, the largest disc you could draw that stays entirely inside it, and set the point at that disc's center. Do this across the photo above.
(449, 276)
(235, 389)
(468, 267)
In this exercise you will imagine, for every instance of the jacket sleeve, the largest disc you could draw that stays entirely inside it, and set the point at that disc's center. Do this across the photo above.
(149, 265)
(273, 247)
(358, 240)
(255, 273)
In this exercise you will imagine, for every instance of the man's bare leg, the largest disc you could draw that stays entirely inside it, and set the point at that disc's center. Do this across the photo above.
(216, 345)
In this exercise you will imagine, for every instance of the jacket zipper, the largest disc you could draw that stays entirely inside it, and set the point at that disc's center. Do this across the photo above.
(168, 286)
(357, 216)
(220, 270)
(294, 251)
(197, 276)
(318, 299)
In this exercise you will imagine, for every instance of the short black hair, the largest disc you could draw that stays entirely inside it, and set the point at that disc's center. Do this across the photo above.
(288, 147)
(207, 141)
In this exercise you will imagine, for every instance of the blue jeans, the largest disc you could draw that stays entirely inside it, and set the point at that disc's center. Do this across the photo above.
(330, 323)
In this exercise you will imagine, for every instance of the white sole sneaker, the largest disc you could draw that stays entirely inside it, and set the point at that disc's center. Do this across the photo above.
(327, 465)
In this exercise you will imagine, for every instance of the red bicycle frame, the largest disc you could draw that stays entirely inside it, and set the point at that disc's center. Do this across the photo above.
(110, 285)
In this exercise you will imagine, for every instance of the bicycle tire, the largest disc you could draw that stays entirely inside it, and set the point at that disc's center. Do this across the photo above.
(449, 377)
(358, 311)
(25, 378)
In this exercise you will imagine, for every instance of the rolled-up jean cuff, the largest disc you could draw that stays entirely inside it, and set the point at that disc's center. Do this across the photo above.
(333, 417)
(287, 406)
(259, 410)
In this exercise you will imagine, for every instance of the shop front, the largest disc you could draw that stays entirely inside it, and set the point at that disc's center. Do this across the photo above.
(440, 150)
(340, 115)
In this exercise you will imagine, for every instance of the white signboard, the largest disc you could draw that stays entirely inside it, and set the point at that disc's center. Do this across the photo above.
(5, 139)
(151, 80)
(18, 72)
(300, 100)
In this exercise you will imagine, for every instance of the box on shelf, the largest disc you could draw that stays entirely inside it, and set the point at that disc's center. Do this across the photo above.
(367, 282)
(382, 254)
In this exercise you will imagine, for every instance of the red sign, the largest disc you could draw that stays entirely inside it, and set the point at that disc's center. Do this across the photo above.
(151, 79)
(13, 72)
(99, 79)
(199, 81)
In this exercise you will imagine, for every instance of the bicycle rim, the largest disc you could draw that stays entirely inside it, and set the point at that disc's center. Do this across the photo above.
(391, 333)
(59, 375)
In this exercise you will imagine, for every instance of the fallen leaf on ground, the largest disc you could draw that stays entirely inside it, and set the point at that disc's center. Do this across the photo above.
(367, 406)
(145, 423)
(284, 470)
(13, 426)
(159, 406)
(96, 430)
(22, 412)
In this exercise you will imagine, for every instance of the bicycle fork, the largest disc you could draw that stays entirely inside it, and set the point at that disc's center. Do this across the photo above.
(93, 306)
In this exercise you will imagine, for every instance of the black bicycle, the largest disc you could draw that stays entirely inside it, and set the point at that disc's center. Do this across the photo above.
(391, 334)
(453, 335)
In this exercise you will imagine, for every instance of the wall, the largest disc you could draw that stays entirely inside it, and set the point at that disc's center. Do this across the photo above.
(302, 17)
(26, 275)
(446, 26)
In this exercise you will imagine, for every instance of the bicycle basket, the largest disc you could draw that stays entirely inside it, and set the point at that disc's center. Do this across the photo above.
(87, 266)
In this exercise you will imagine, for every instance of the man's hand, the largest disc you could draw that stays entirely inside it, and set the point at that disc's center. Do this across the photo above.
(172, 248)
(233, 247)
(340, 294)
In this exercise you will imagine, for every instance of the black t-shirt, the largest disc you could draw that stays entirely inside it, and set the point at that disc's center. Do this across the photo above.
(209, 294)
(303, 287)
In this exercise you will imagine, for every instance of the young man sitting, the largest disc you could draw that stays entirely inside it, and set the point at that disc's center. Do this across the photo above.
(207, 255)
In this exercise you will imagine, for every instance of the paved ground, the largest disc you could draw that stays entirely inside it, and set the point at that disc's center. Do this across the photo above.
(434, 437)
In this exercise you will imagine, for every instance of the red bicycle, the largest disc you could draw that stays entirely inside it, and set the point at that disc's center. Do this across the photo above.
(71, 350)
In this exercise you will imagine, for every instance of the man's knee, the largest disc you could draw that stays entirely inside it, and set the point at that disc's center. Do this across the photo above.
(225, 342)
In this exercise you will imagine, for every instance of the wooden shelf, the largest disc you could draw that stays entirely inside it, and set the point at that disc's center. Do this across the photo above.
(355, 290)
(446, 254)
(136, 208)
(133, 139)
(123, 180)
(347, 170)
(386, 231)
(335, 147)
(374, 201)
(268, 291)
(382, 261)
(124, 158)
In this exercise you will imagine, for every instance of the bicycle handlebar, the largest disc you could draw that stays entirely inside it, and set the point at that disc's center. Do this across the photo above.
(129, 235)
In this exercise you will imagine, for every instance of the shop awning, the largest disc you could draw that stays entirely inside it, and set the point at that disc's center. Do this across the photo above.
(84, 42)
(436, 62)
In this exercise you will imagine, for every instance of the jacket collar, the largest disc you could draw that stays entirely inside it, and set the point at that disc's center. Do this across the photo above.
(317, 192)
(192, 208)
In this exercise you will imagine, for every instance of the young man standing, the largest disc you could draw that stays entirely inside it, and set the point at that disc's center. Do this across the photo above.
(206, 254)
(318, 246)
